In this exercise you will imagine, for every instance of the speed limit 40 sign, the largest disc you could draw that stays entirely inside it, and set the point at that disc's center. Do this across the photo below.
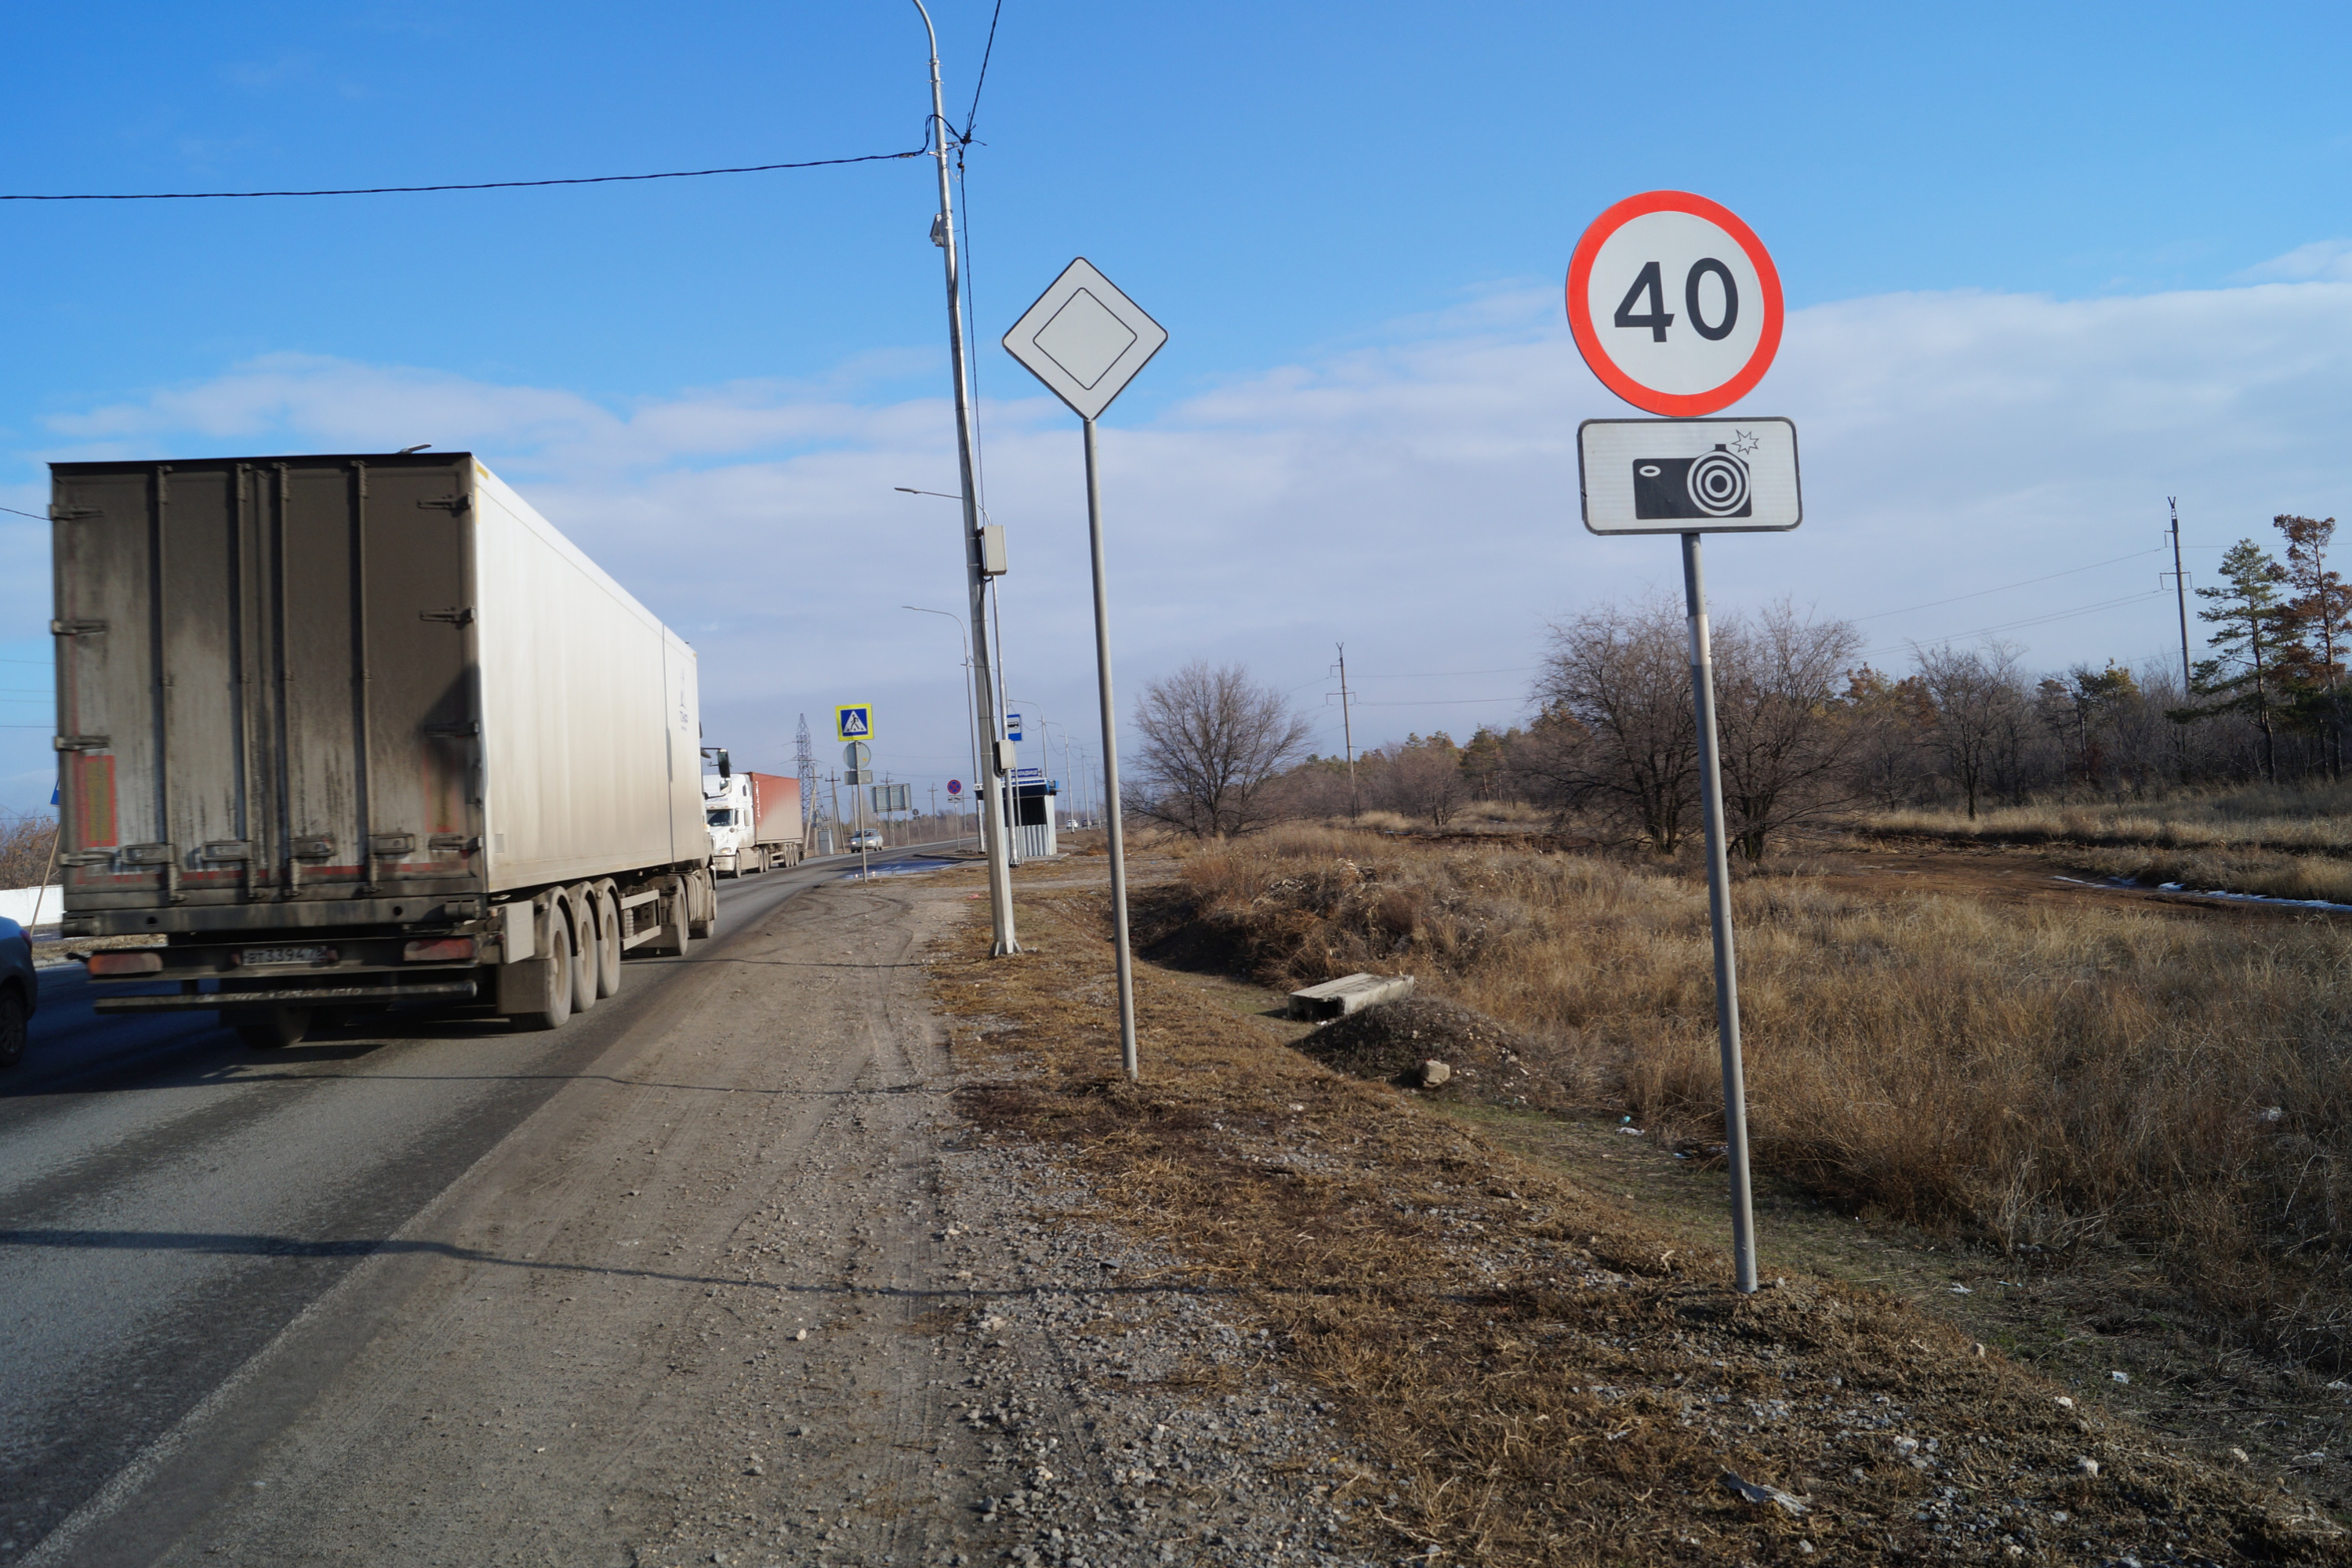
(1675, 303)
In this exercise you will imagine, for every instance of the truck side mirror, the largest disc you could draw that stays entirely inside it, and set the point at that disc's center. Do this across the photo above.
(726, 768)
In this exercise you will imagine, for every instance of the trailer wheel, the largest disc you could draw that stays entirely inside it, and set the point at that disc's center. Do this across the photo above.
(608, 940)
(703, 895)
(556, 978)
(585, 944)
(268, 1029)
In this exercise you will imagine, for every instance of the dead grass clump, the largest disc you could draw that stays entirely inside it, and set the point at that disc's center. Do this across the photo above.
(2029, 1078)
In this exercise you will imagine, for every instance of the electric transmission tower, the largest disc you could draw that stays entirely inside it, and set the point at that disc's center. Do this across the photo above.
(804, 759)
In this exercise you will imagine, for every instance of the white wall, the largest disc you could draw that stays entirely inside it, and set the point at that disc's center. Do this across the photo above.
(16, 904)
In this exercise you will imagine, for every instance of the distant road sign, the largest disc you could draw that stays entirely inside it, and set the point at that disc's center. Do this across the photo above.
(1689, 476)
(854, 722)
(1012, 726)
(1083, 339)
(955, 788)
(1675, 303)
(892, 797)
(857, 754)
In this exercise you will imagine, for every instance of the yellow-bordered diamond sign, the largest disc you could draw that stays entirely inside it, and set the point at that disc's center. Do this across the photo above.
(854, 721)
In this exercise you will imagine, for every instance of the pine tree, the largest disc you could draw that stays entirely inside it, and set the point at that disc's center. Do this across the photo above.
(2321, 610)
(2251, 621)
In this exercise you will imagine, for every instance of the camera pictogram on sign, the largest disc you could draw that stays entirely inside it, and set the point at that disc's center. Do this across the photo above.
(1714, 484)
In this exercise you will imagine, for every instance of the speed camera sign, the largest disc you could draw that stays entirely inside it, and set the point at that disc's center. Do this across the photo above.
(1675, 303)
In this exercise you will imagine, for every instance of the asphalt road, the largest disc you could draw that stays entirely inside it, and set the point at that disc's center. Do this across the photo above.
(171, 1200)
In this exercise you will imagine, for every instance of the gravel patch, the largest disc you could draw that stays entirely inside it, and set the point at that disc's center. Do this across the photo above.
(1128, 1417)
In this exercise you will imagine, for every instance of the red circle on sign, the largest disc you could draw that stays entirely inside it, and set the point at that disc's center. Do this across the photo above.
(1588, 341)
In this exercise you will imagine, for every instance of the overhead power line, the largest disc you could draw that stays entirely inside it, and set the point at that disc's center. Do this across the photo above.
(972, 118)
(2022, 625)
(472, 186)
(2005, 587)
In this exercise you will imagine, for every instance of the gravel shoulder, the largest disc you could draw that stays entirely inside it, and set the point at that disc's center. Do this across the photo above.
(750, 1289)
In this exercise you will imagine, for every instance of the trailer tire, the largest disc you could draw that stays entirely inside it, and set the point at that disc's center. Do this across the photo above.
(581, 904)
(554, 1005)
(608, 938)
(268, 1029)
(703, 899)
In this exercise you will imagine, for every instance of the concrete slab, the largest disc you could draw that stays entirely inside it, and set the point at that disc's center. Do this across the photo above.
(1348, 994)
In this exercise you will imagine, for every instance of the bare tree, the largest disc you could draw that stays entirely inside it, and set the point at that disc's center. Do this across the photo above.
(1979, 712)
(1615, 693)
(1781, 744)
(1212, 739)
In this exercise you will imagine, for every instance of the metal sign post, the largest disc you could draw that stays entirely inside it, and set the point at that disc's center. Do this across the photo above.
(1085, 340)
(857, 760)
(1675, 305)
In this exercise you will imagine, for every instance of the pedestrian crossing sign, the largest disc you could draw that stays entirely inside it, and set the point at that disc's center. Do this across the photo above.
(854, 722)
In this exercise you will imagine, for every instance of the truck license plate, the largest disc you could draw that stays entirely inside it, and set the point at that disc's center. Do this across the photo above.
(313, 956)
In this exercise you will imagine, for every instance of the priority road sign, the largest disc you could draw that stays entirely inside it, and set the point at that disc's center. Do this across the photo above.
(1689, 476)
(854, 721)
(1674, 302)
(1083, 339)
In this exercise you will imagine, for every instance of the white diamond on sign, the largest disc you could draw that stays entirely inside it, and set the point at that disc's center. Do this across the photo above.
(1083, 339)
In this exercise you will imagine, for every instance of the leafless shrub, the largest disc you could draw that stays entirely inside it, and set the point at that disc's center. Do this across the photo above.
(1421, 779)
(27, 844)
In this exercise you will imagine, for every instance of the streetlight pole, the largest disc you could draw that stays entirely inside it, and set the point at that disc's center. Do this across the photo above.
(972, 725)
(989, 784)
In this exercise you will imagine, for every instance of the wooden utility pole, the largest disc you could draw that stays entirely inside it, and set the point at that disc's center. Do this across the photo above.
(1348, 734)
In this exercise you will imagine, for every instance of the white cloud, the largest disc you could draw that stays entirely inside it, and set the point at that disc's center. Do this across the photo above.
(2321, 259)
(1416, 499)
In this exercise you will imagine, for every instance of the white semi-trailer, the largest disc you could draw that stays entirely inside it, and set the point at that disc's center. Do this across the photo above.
(754, 820)
(349, 732)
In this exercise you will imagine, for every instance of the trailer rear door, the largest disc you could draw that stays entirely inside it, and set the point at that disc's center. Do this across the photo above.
(265, 680)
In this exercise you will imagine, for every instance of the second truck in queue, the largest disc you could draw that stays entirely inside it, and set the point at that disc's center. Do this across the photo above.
(754, 820)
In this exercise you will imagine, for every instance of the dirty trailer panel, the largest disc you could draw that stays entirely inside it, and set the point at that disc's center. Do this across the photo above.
(315, 691)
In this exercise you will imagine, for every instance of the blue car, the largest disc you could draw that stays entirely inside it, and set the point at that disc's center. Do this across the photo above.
(20, 989)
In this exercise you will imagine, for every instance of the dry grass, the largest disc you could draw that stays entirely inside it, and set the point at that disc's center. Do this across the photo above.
(2030, 1079)
(1549, 1382)
(2305, 819)
(2261, 871)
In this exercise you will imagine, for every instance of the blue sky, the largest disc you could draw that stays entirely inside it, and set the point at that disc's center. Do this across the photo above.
(2046, 267)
